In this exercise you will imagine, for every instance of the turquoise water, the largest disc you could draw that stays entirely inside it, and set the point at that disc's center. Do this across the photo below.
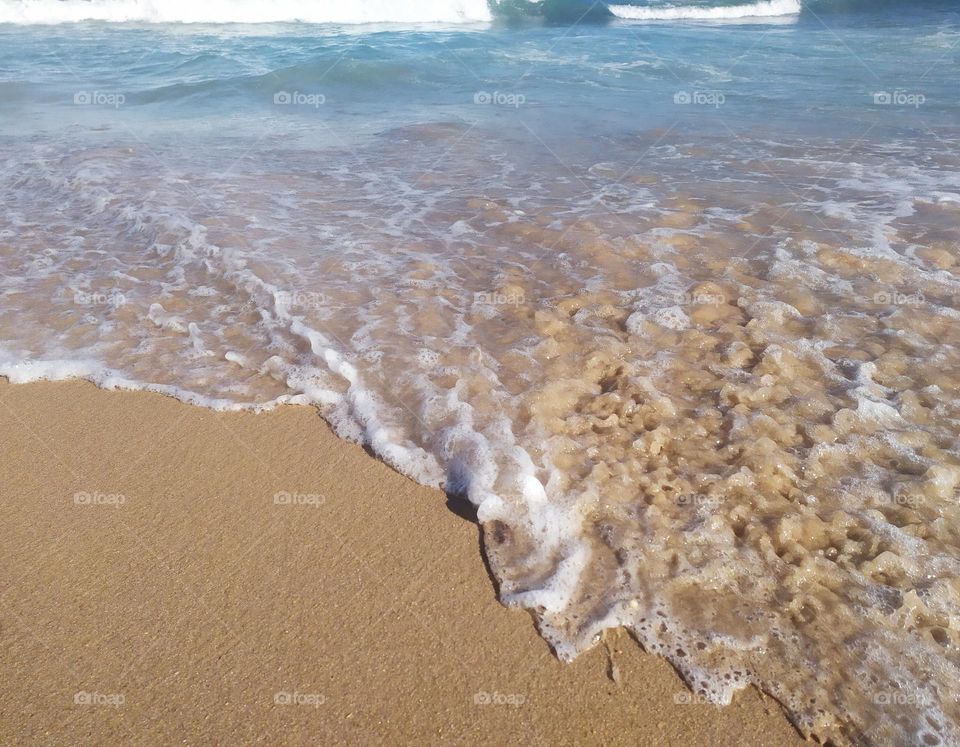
(815, 72)
(668, 290)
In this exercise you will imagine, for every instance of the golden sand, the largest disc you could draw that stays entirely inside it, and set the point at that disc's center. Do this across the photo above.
(157, 590)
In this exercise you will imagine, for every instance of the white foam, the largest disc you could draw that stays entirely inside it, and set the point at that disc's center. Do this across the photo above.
(244, 11)
(21, 371)
(672, 317)
(764, 9)
(556, 593)
(159, 316)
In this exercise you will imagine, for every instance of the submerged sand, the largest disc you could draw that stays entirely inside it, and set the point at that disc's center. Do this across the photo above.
(170, 574)
(712, 399)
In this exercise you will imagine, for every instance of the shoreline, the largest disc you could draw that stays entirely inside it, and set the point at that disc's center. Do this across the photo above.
(175, 573)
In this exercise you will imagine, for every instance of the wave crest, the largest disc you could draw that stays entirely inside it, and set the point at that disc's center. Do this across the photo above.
(763, 9)
(244, 11)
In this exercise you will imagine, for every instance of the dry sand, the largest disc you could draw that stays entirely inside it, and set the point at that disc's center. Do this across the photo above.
(191, 611)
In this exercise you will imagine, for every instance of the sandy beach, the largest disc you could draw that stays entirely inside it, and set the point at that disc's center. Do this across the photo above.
(176, 575)
(480, 372)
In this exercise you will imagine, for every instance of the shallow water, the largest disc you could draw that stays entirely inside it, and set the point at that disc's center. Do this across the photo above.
(674, 304)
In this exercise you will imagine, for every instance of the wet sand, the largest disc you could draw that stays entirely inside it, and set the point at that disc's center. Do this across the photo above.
(173, 575)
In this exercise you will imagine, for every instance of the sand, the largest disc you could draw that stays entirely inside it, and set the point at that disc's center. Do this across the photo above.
(174, 575)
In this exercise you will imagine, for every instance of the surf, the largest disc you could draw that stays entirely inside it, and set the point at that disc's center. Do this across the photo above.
(350, 12)
(244, 11)
(663, 12)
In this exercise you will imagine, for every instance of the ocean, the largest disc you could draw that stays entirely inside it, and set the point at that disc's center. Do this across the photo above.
(669, 291)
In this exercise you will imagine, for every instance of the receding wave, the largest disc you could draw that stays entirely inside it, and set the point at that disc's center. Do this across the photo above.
(764, 9)
(244, 11)
(729, 430)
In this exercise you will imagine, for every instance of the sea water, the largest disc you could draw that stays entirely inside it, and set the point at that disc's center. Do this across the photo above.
(669, 290)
